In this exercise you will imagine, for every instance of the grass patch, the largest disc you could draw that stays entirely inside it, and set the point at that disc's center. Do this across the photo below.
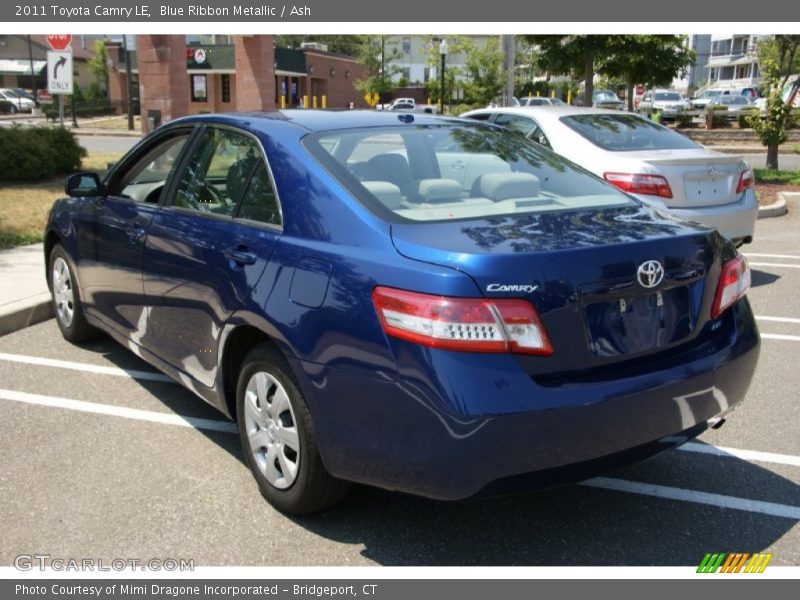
(24, 206)
(787, 177)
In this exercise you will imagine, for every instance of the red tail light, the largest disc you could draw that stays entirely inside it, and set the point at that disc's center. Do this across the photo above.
(734, 281)
(745, 181)
(640, 183)
(464, 324)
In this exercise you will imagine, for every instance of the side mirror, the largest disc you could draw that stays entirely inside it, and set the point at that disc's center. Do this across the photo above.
(82, 184)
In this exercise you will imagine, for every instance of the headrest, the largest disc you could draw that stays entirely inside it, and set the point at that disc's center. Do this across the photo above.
(437, 190)
(387, 193)
(502, 186)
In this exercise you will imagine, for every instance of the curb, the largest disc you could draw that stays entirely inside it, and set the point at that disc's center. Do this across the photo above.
(776, 209)
(23, 313)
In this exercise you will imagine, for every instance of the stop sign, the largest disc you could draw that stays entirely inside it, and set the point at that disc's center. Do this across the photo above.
(59, 41)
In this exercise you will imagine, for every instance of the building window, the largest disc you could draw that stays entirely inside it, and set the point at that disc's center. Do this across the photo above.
(225, 84)
(426, 74)
(406, 45)
(199, 88)
(713, 74)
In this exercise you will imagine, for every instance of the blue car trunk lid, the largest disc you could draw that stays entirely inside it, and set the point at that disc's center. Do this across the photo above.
(580, 270)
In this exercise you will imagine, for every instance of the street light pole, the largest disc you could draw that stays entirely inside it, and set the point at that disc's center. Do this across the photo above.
(443, 54)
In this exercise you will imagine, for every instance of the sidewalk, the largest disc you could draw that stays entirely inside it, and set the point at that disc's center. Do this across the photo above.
(24, 297)
(86, 126)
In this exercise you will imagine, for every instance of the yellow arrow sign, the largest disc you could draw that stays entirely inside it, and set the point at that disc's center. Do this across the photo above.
(372, 98)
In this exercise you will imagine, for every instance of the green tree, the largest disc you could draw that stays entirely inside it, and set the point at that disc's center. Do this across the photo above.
(98, 66)
(778, 60)
(576, 55)
(483, 71)
(379, 57)
(344, 44)
(650, 60)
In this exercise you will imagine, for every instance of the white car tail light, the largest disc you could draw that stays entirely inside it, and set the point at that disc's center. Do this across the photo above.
(463, 324)
(734, 281)
(745, 181)
(640, 183)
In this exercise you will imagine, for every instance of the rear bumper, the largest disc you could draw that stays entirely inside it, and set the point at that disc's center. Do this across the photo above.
(736, 220)
(482, 421)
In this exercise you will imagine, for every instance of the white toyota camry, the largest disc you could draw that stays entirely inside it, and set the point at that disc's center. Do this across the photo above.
(657, 165)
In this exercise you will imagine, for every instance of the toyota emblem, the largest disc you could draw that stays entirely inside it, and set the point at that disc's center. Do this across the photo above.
(650, 273)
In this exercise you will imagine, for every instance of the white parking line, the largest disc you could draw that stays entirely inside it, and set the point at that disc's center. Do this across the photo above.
(778, 319)
(86, 367)
(760, 264)
(633, 487)
(749, 455)
(672, 493)
(780, 336)
(789, 256)
(118, 411)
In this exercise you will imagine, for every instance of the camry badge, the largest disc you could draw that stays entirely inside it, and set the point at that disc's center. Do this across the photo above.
(499, 287)
(650, 273)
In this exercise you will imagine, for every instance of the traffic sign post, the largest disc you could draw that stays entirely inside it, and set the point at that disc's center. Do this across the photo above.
(59, 77)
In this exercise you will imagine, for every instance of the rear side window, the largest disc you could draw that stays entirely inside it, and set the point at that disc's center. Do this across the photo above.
(443, 172)
(625, 133)
(259, 202)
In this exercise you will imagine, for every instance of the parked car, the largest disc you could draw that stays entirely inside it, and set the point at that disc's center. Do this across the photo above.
(514, 101)
(733, 106)
(703, 98)
(16, 103)
(602, 99)
(541, 101)
(668, 103)
(23, 93)
(659, 166)
(423, 304)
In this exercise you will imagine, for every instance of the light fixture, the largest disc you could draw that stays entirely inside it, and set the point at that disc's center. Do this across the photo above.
(333, 72)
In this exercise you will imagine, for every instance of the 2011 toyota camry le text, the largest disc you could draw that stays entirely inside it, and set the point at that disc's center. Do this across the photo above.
(430, 305)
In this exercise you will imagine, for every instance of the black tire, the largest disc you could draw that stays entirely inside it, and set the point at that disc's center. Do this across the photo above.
(313, 488)
(75, 329)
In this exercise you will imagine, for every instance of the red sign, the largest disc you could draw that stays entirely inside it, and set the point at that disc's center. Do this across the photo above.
(60, 41)
(44, 97)
(639, 89)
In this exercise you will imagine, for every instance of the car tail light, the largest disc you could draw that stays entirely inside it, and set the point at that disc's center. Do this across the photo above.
(640, 183)
(464, 324)
(745, 181)
(734, 281)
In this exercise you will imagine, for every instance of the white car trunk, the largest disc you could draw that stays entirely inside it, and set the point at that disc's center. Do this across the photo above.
(697, 178)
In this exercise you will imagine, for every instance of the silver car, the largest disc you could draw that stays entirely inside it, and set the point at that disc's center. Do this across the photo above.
(660, 167)
(668, 103)
(733, 106)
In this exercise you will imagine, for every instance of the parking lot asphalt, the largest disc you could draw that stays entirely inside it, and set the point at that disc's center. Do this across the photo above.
(104, 458)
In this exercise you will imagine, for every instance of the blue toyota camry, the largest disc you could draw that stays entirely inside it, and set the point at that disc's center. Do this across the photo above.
(428, 305)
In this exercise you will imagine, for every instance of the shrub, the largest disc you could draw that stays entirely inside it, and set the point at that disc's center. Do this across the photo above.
(743, 121)
(683, 119)
(461, 108)
(38, 153)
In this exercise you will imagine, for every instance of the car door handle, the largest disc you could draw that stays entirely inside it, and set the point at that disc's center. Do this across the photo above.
(240, 256)
(136, 233)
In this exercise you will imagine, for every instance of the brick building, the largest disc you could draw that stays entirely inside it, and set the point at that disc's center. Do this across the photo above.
(176, 78)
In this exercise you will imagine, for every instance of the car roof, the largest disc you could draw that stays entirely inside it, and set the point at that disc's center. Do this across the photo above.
(549, 112)
(311, 120)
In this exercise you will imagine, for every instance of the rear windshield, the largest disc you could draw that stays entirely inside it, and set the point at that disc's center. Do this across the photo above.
(662, 96)
(624, 133)
(456, 171)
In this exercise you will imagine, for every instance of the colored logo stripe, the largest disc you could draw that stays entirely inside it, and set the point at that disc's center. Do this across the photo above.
(734, 563)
